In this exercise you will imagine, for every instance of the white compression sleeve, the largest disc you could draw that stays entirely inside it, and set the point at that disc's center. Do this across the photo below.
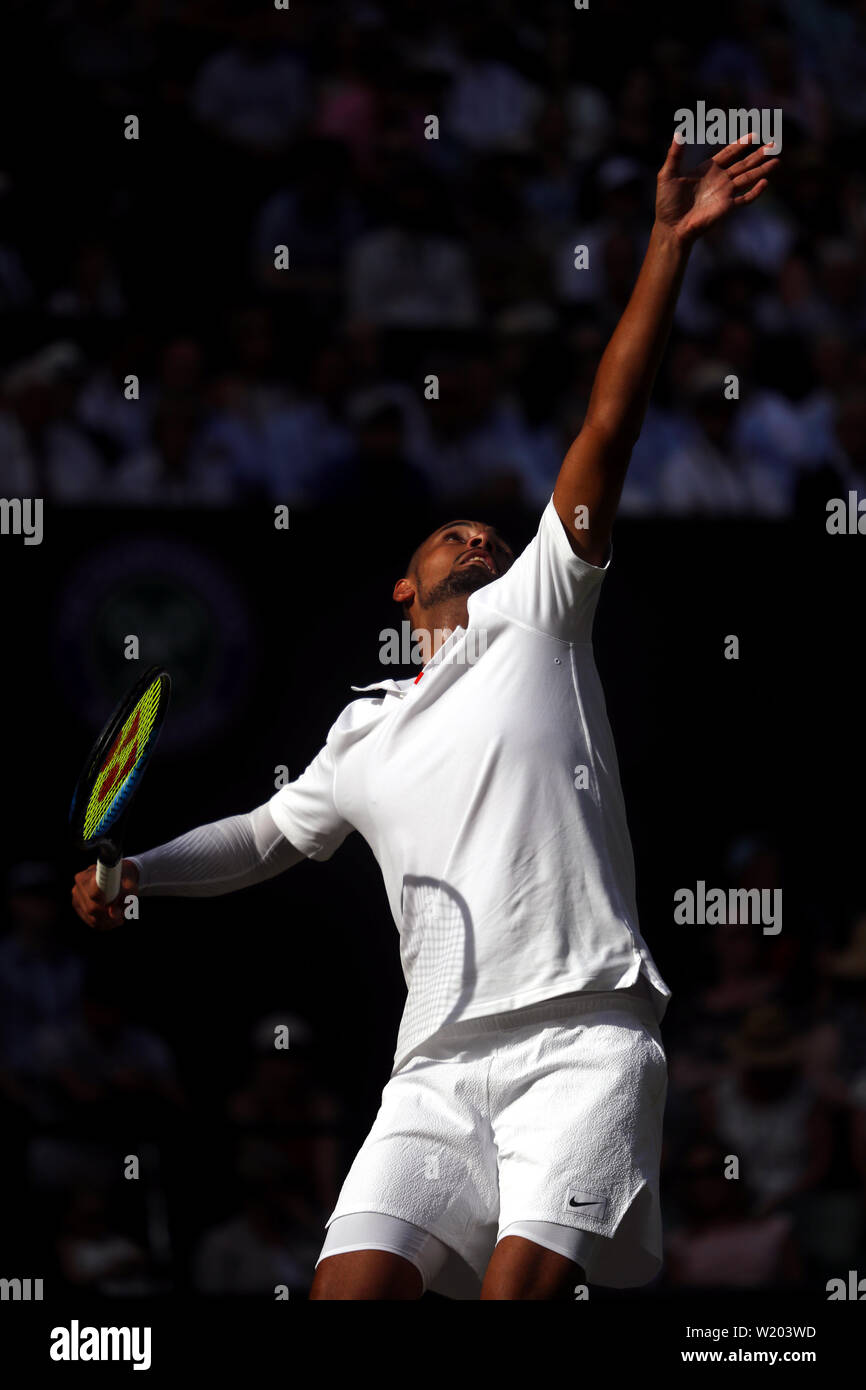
(217, 858)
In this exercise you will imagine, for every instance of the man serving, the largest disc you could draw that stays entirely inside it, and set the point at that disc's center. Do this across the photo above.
(516, 1150)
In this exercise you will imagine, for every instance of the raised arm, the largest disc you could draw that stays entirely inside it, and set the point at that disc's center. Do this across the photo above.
(594, 469)
(213, 859)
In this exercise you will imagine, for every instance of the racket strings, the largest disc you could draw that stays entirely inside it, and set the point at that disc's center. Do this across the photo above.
(115, 777)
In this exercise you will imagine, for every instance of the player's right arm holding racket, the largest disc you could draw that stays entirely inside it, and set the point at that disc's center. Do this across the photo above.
(213, 859)
(299, 822)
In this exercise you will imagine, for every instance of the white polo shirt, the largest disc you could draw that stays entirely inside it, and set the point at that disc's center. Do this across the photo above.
(508, 883)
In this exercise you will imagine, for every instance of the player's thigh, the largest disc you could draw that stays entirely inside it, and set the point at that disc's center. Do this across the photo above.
(520, 1269)
(366, 1274)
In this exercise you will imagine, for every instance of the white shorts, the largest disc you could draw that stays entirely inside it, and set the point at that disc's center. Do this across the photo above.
(551, 1113)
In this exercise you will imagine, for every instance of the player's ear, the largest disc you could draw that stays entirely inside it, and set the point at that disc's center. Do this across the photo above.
(404, 593)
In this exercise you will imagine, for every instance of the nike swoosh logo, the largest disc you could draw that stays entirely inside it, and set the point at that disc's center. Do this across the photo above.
(573, 1203)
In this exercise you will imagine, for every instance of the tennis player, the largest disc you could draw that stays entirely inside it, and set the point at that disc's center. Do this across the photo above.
(516, 1151)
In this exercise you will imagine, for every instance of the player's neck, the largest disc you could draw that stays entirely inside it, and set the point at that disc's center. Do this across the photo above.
(439, 622)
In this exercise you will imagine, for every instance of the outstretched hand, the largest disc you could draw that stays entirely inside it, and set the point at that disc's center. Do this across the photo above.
(688, 204)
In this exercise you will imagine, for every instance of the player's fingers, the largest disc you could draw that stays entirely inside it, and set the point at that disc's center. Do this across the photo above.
(88, 902)
(104, 918)
(745, 181)
(752, 194)
(731, 152)
(86, 884)
(674, 157)
(752, 161)
(81, 907)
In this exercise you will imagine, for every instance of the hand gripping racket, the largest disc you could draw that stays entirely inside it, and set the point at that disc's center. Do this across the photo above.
(112, 774)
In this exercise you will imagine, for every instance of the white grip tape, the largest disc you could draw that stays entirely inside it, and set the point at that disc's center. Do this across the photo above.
(108, 879)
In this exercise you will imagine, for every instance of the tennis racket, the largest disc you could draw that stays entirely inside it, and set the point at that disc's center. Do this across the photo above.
(112, 775)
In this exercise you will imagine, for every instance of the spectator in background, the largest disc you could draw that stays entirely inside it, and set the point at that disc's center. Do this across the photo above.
(848, 454)
(831, 375)
(585, 108)
(281, 1106)
(254, 368)
(373, 385)
(549, 190)
(114, 423)
(841, 279)
(272, 1240)
(835, 1053)
(380, 476)
(491, 106)
(664, 433)
(735, 63)
(43, 450)
(775, 422)
(405, 273)
(94, 289)
(255, 94)
(768, 1114)
(317, 219)
(742, 975)
(740, 981)
(786, 83)
(347, 98)
(293, 448)
(536, 376)
(480, 445)
(835, 36)
(95, 1255)
(718, 1243)
(792, 303)
(310, 443)
(509, 271)
(120, 425)
(98, 1068)
(837, 1044)
(173, 469)
(105, 46)
(620, 183)
(708, 474)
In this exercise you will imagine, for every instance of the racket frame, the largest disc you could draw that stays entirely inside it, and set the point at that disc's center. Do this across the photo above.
(107, 843)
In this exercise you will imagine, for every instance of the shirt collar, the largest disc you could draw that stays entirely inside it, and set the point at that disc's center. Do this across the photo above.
(391, 687)
(401, 688)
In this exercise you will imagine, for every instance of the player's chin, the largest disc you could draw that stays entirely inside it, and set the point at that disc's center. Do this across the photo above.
(465, 579)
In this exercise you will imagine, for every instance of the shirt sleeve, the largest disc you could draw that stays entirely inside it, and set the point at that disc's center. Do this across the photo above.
(305, 810)
(548, 588)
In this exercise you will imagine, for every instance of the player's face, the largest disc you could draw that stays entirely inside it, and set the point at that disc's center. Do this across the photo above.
(459, 558)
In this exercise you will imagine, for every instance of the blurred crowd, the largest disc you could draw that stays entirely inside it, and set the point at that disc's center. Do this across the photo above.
(81, 1075)
(764, 1165)
(412, 258)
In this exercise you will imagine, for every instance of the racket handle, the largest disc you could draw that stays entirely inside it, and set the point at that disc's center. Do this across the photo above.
(108, 877)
